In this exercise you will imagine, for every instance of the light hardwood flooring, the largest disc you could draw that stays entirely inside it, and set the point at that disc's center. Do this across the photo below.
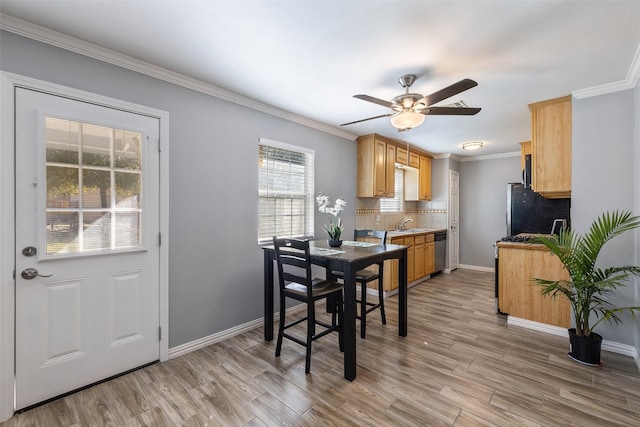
(460, 365)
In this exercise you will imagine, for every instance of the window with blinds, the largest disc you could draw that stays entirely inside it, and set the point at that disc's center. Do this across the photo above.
(395, 204)
(285, 190)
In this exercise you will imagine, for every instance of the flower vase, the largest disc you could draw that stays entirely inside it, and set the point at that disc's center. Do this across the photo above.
(334, 243)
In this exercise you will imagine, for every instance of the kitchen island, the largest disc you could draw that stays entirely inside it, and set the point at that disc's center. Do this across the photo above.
(518, 295)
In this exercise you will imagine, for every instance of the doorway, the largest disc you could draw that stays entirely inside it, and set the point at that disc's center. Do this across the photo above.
(90, 273)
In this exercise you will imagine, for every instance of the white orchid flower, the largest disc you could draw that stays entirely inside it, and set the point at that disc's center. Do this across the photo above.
(334, 230)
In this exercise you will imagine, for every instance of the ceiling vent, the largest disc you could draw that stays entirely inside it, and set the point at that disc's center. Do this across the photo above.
(458, 104)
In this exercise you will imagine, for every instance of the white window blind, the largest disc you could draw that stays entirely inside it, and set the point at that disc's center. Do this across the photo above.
(285, 190)
(395, 204)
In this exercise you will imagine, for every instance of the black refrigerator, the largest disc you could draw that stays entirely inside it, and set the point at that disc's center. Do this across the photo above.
(529, 212)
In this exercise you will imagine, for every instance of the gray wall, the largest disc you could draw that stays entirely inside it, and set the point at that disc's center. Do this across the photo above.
(215, 263)
(604, 178)
(483, 204)
(440, 177)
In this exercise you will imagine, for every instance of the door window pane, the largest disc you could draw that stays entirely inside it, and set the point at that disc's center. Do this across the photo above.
(62, 187)
(96, 145)
(96, 227)
(62, 141)
(106, 163)
(62, 232)
(96, 188)
(127, 150)
(128, 190)
(127, 229)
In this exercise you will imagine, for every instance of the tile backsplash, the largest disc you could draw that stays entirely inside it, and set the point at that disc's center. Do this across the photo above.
(431, 214)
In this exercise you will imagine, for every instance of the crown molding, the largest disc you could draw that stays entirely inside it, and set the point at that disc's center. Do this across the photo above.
(629, 83)
(63, 41)
(490, 157)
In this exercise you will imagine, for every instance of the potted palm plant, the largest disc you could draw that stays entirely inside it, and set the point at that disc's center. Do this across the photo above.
(589, 284)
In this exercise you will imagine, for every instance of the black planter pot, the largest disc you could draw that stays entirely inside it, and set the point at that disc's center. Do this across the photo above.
(334, 243)
(585, 350)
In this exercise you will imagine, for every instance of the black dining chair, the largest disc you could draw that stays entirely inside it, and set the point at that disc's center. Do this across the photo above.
(296, 282)
(363, 277)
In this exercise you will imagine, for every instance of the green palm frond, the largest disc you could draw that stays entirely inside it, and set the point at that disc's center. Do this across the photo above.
(589, 285)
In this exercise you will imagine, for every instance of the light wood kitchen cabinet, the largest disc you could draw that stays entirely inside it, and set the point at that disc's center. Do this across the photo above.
(390, 172)
(551, 147)
(407, 158)
(377, 157)
(391, 266)
(518, 296)
(525, 149)
(420, 259)
(430, 254)
(376, 167)
(409, 241)
(402, 156)
(414, 160)
(425, 178)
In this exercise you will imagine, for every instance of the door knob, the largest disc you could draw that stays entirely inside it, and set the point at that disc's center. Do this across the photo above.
(32, 273)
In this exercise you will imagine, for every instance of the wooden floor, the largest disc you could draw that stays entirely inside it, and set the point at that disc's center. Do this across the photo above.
(459, 365)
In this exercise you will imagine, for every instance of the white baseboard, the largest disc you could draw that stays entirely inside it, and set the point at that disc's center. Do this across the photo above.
(180, 350)
(612, 346)
(537, 326)
(223, 335)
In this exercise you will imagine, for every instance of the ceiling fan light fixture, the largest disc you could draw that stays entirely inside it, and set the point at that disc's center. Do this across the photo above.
(473, 145)
(407, 120)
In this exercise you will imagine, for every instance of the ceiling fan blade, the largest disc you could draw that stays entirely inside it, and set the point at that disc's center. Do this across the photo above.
(448, 92)
(451, 111)
(370, 118)
(374, 100)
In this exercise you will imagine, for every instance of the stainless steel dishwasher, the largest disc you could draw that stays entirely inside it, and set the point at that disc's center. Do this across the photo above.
(440, 239)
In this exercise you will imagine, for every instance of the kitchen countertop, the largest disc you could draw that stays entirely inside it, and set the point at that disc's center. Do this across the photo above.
(413, 231)
(524, 245)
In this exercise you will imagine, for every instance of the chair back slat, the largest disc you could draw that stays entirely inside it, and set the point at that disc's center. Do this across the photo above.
(294, 262)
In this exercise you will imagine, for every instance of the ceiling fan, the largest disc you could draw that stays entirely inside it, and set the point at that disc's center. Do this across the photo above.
(410, 109)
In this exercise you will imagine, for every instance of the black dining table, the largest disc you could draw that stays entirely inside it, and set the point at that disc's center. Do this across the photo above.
(349, 258)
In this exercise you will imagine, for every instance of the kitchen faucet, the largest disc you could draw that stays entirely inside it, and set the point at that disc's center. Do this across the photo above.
(402, 223)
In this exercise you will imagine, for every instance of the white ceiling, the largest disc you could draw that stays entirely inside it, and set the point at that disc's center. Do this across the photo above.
(311, 57)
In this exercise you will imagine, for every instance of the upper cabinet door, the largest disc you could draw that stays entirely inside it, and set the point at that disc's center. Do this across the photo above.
(551, 147)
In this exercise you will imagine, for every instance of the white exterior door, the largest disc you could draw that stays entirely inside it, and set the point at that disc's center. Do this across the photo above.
(87, 222)
(454, 216)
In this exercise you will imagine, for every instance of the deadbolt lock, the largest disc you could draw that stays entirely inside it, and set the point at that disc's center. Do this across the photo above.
(29, 251)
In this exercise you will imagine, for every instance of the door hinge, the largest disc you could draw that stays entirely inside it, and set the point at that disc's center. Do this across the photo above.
(159, 145)
(159, 239)
(159, 333)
